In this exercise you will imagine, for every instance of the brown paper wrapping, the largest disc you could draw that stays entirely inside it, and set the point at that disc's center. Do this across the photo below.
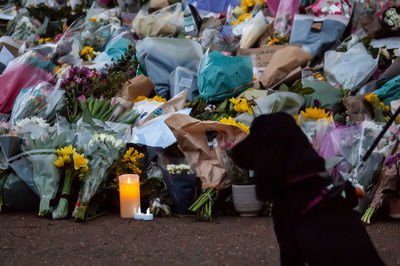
(138, 86)
(358, 109)
(192, 140)
(158, 4)
(387, 180)
(282, 63)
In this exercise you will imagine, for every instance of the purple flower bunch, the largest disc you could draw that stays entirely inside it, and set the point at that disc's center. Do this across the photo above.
(392, 160)
(78, 77)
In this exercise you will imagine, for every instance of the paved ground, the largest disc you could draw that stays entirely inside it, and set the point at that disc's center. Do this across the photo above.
(28, 240)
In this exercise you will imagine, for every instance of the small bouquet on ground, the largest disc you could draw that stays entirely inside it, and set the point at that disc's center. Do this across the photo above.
(35, 167)
(75, 166)
(88, 53)
(181, 185)
(102, 150)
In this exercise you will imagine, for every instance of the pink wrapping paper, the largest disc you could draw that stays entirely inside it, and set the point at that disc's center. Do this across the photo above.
(15, 79)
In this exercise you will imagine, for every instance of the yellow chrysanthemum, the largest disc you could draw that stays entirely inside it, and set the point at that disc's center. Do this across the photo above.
(316, 113)
(79, 161)
(231, 121)
(59, 163)
(155, 98)
(241, 105)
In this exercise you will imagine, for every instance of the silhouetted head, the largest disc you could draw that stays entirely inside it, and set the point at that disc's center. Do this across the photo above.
(277, 150)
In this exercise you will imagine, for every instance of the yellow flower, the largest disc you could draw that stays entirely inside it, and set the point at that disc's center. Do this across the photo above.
(231, 121)
(59, 163)
(47, 39)
(93, 19)
(155, 98)
(84, 169)
(371, 98)
(67, 159)
(273, 41)
(241, 18)
(241, 105)
(66, 151)
(316, 113)
(296, 117)
(320, 77)
(87, 53)
(79, 160)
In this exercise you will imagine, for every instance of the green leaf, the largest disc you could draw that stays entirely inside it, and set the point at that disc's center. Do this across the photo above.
(306, 91)
(283, 88)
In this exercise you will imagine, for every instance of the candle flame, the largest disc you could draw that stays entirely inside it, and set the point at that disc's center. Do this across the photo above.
(129, 180)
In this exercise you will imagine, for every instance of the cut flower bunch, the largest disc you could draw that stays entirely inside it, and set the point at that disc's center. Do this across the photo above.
(75, 166)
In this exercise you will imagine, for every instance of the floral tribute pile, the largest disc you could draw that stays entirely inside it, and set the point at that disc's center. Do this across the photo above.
(94, 91)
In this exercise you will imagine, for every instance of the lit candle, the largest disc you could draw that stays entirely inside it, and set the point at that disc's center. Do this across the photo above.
(129, 195)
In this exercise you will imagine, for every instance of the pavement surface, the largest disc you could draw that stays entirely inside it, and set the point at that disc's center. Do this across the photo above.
(26, 239)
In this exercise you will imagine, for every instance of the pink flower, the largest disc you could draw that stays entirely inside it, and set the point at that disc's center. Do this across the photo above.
(82, 98)
(101, 98)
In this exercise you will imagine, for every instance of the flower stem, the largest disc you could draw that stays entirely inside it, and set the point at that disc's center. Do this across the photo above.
(62, 208)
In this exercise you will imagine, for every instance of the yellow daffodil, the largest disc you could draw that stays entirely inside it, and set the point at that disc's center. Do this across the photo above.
(231, 121)
(67, 159)
(84, 169)
(59, 163)
(371, 98)
(316, 113)
(66, 151)
(79, 161)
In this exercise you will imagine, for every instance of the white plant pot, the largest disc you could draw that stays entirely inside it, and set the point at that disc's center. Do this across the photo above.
(245, 200)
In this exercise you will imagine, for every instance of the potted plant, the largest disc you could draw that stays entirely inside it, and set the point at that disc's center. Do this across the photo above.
(394, 192)
(243, 189)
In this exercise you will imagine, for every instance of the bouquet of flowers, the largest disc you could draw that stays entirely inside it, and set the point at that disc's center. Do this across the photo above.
(391, 18)
(33, 165)
(102, 150)
(75, 166)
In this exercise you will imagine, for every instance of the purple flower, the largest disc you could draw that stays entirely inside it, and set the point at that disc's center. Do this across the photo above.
(392, 160)
(101, 98)
(82, 98)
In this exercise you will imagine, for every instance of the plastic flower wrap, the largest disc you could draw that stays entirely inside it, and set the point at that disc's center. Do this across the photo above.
(75, 166)
(102, 150)
(349, 145)
(34, 165)
(41, 100)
